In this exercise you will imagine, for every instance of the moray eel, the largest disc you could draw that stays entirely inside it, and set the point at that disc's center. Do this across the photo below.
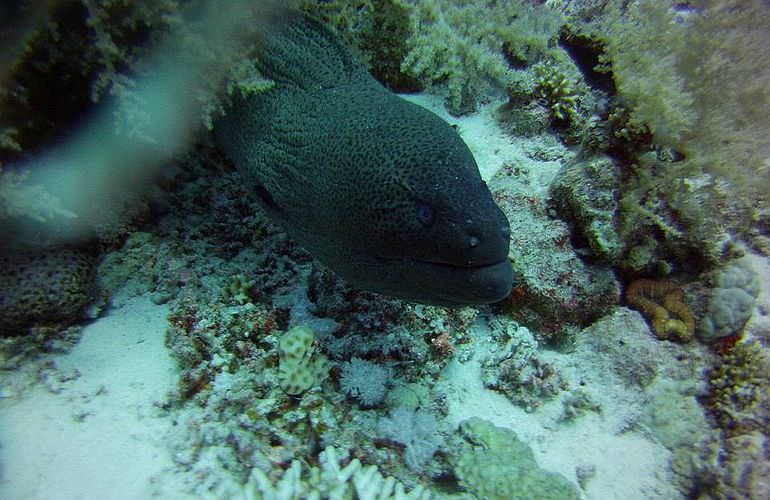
(378, 189)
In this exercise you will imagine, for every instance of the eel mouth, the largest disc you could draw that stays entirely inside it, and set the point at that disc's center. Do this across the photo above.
(470, 285)
(428, 282)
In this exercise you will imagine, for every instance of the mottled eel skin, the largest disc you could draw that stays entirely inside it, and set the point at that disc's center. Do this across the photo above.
(380, 190)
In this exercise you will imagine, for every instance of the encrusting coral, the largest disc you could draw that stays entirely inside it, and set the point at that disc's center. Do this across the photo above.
(663, 304)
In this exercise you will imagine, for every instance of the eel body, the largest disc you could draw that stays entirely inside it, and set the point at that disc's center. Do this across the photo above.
(378, 189)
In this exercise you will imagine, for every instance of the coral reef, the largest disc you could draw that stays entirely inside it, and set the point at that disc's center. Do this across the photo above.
(621, 342)
(747, 466)
(385, 44)
(554, 288)
(636, 222)
(663, 303)
(673, 416)
(515, 369)
(417, 431)
(678, 88)
(559, 93)
(528, 386)
(739, 402)
(280, 359)
(577, 403)
(240, 289)
(584, 192)
(86, 47)
(697, 91)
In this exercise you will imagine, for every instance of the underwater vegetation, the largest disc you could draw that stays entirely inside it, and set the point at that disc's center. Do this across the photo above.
(621, 233)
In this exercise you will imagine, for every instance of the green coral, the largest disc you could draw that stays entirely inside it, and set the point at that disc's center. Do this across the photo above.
(557, 90)
(300, 367)
(494, 463)
(666, 215)
(241, 289)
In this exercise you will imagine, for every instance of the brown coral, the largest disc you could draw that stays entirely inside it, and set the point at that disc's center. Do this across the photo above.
(663, 304)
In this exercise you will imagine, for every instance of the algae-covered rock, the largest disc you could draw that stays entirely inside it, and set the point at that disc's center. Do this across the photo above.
(584, 195)
(494, 463)
(554, 288)
(673, 415)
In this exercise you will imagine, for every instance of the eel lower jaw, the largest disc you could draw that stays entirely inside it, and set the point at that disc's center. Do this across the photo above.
(468, 285)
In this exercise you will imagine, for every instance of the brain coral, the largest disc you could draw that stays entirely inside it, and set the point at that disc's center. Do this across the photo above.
(43, 287)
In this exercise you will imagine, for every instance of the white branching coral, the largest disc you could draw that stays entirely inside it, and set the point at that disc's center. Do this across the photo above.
(331, 480)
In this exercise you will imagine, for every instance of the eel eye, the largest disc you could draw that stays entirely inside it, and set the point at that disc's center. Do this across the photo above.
(424, 214)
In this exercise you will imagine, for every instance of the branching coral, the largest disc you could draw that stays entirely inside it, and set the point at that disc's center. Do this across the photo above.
(331, 479)
(555, 88)
(663, 304)
(241, 289)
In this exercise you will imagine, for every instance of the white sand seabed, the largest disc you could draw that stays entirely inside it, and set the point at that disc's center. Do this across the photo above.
(626, 465)
(98, 435)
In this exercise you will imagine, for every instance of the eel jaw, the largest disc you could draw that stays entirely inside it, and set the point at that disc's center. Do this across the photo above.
(469, 285)
(434, 283)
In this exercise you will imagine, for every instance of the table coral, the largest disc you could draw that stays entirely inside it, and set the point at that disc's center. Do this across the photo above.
(663, 304)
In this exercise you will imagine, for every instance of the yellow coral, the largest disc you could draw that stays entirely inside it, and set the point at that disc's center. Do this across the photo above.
(663, 304)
